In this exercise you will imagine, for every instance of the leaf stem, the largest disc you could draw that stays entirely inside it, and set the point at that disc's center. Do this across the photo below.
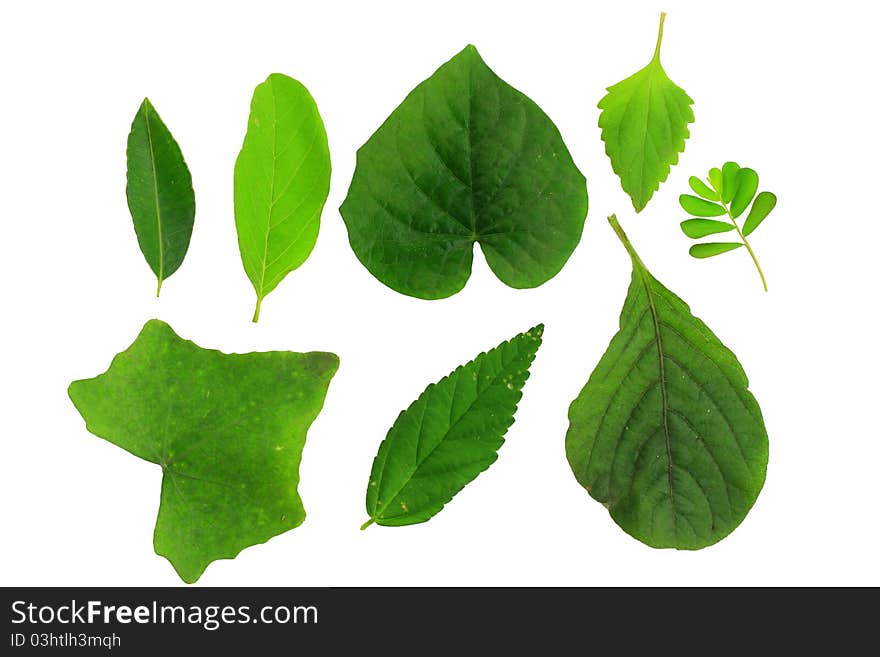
(367, 523)
(257, 310)
(747, 245)
(659, 36)
(158, 285)
(625, 240)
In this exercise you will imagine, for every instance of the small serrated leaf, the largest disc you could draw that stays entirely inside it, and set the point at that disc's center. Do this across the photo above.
(700, 207)
(702, 189)
(763, 205)
(713, 249)
(746, 186)
(729, 181)
(697, 228)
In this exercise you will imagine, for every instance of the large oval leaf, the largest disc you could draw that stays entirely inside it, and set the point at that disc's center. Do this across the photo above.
(666, 433)
(282, 177)
(465, 158)
(746, 186)
(449, 435)
(644, 124)
(159, 192)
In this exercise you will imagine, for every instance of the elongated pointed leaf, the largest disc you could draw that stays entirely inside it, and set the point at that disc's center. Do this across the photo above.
(712, 249)
(666, 433)
(746, 186)
(729, 173)
(159, 192)
(644, 124)
(763, 205)
(449, 435)
(465, 158)
(227, 430)
(282, 177)
(702, 189)
(700, 207)
(696, 228)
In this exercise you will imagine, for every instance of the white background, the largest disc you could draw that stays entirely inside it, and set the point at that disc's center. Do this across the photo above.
(789, 89)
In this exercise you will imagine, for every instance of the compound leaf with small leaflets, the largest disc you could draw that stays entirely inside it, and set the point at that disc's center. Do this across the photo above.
(227, 430)
(449, 435)
(282, 178)
(159, 193)
(729, 192)
(464, 159)
(666, 433)
(644, 124)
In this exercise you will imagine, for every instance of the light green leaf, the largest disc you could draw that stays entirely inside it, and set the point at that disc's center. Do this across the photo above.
(702, 189)
(159, 192)
(282, 177)
(465, 158)
(712, 249)
(644, 124)
(696, 228)
(227, 430)
(716, 179)
(746, 186)
(700, 207)
(666, 433)
(763, 205)
(449, 435)
(729, 173)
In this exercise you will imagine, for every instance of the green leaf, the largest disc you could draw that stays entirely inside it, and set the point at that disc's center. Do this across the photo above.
(712, 249)
(696, 228)
(746, 186)
(159, 192)
(449, 435)
(282, 177)
(716, 180)
(702, 189)
(465, 158)
(763, 205)
(666, 433)
(729, 173)
(227, 430)
(700, 207)
(644, 124)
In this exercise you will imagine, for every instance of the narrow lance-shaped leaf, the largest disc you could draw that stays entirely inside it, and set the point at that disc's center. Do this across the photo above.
(464, 159)
(282, 178)
(449, 435)
(696, 228)
(702, 189)
(644, 124)
(227, 430)
(709, 249)
(729, 180)
(159, 192)
(666, 433)
(700, 207)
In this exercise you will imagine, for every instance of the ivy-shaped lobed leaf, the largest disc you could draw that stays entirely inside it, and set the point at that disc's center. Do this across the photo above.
(449, 435)
(666, 433)
(644, 124)
(464, 159)
(729, 193)
(159, 193)
(282, 178)
(227, 430)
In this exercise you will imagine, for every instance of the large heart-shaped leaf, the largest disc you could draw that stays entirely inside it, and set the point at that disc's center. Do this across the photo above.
(465, 158)
(227, 430)
(666, 433)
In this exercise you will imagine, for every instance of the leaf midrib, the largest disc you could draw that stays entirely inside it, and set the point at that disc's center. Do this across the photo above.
(161, 272)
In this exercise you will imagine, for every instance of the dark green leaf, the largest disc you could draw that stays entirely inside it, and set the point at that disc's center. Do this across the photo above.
(159, 192)
(449, 435)
(702, 189)
(763, 205)
(666, 433)
(644, 124)
(712, 249)
(282, 177)
(729, 180)
(227, 429)
(700, 207)
(746, 186)
(696, 228)
(465, 158)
